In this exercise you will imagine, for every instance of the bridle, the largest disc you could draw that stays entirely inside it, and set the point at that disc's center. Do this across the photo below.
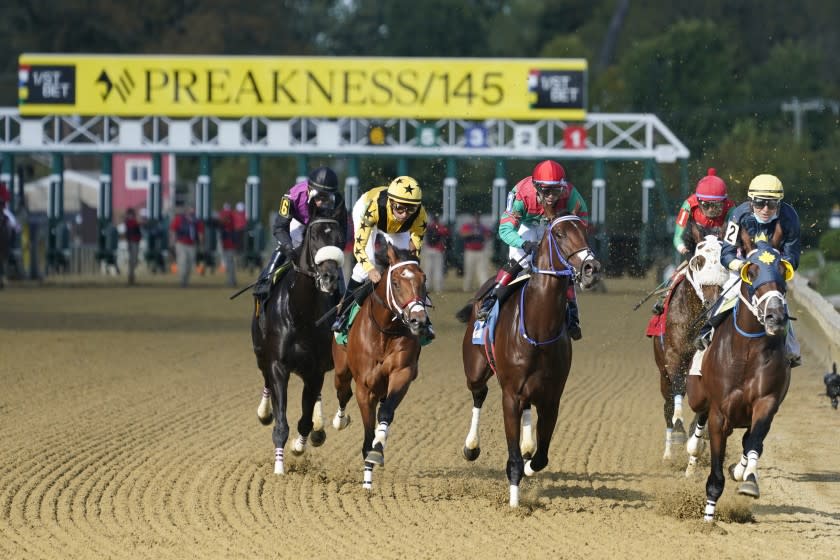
(757, 305)
(401, 311)
(309, 251)
(555, 252)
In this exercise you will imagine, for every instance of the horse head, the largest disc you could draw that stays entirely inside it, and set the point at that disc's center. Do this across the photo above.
(564, 248)
(764, 282)
(321, 253)
(705, 272)
(405, 289)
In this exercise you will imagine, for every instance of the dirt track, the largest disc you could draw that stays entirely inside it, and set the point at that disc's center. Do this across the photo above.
(128, 429)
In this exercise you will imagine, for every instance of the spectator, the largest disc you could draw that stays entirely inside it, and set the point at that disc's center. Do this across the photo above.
(186, 233)
(476, 264)
(240, 225)
(434, 250)
(227, 226)
(133, 235)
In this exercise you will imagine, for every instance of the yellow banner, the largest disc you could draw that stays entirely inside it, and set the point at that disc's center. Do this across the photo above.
(285, 87)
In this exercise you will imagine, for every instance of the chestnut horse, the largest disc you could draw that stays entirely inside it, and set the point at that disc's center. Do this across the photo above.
(383, 347)
(744, 373)
(696, 288)
(532, 353)
(287, 339)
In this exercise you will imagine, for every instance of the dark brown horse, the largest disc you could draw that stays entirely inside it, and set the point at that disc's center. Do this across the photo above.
(696, 286)
(383, 347)
(532, 352)
(745, 373)
(287, 339)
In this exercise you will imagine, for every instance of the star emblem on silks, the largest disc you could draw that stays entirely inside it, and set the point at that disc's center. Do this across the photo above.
(423, 225)
(359, 239)
(358, 252)
(363, 226)
(761, 236)
(368, 213)
(767, 257)
(362, 260)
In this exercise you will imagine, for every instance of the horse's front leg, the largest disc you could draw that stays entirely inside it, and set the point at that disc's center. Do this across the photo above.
(716, 480)
(695, 444)
(472, 445)
(311, 395)
(546, 420)
(477, 373)
(398, 383)
(343, 391)
(746, 470)
(280, 434)
(367, 410)
(515, 464)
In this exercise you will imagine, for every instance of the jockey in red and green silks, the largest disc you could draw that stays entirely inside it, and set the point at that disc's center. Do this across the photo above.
(523, 224)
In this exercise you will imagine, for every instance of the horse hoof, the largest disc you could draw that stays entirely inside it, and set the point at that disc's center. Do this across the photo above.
(299, 446)
(528, 470)
(318, 437)
(471, 454)
(731, 470)
(749, 488)
(376, 456)
(341, 422)
(266, 420)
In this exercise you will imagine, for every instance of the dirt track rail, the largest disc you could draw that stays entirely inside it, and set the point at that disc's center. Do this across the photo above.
(128, 429)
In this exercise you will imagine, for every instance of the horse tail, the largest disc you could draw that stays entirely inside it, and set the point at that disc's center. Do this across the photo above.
(463, 314)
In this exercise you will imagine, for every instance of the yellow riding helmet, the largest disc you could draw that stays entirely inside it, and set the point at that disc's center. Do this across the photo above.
(766, 186)
(405, 189)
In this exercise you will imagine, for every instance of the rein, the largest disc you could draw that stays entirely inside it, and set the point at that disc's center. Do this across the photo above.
(398, 311)
(306, 271)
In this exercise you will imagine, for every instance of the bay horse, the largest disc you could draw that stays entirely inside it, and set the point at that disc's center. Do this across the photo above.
(382, 351)
(287, 339)
(532, 352)
(745, 373)
(697, 286)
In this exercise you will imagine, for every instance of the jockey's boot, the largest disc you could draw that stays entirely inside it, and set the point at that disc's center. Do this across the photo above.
(343, 315)
(573, 320)
(704, 339)
(504, 277)
(263, 285)
(659, 306)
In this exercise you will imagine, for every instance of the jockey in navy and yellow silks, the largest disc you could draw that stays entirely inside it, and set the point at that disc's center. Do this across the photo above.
(766, 219)
(396, 212)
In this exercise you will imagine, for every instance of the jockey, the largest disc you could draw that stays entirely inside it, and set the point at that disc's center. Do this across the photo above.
(319, 192)
(760, 216)
(522, 225)
(708, 208)
(395, 211)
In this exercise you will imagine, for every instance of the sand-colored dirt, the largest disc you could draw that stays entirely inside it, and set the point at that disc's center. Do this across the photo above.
(128, 430)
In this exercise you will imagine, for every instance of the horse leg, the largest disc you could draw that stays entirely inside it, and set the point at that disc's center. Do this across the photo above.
(477, 372)
(280, 434)
(311, 391)
(515, 468)
(665, 388)
(695, 444)
(716, 480)
(343, 392)
(527, 445)
(367, 410)
(264, 413)
(472, 445)
(678, 419)
(318, 435)
(398, 383)
(546, 420)
(753, 442)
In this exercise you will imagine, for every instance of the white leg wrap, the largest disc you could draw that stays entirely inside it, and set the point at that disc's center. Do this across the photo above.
(709, 511)
(318, 416)
(526, 442)
(367, 480)
(264, 408)
(472, 437)
(514, 496)
(528, 470)
(752, 465)
(738, 471)
(278, 461)
(381, 434)
(678, 409)
(341, 420)
(668, 433)
(299, 446)
(692, 467)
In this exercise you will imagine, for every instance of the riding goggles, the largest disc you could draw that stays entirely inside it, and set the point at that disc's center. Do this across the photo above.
(711, 205)
(398, 208)
(760, 203)
(559, 188)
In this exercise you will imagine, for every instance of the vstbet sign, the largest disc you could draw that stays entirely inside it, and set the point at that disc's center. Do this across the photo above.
(285, 87)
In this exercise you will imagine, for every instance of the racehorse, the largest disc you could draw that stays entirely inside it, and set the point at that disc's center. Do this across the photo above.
(695, 289)
(383, 347)
(532, 352)
(745, 372)
(286, 338)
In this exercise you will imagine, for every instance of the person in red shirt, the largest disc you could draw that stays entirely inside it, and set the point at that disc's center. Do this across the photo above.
(186, 232)
(230, 242)
(133, 236)
(476, 261)
(434, 251)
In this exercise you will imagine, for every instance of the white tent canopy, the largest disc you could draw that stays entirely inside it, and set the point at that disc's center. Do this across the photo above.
(79, 187)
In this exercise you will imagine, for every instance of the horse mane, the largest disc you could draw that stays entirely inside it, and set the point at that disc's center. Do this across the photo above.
(381, 255)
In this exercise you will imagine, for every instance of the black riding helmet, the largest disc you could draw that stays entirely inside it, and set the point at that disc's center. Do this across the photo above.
(323, 179)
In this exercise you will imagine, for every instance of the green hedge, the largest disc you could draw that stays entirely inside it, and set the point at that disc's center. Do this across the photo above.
(830, 245)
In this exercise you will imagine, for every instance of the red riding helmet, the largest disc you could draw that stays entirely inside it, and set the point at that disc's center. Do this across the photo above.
(549, 173)
(711, 187)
